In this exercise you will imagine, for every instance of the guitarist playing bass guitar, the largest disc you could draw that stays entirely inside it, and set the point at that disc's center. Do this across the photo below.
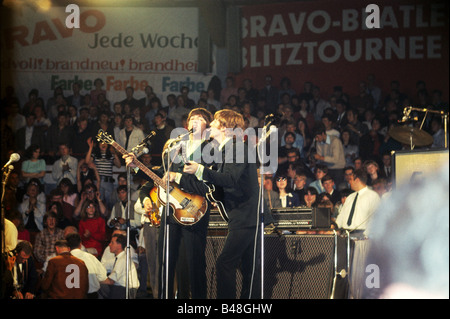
(194, 235)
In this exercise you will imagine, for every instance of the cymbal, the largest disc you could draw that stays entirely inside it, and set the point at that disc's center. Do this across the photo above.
(403, 134)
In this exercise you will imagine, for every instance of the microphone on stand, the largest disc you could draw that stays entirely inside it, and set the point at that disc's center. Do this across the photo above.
(140, 149)
(12, 159)
(180, 137)
(148, 137)
(272, 119)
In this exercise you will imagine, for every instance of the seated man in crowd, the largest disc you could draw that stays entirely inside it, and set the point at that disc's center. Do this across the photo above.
(114, 286)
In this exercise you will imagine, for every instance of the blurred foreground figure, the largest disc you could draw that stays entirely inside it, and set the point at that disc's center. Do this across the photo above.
(410, 242)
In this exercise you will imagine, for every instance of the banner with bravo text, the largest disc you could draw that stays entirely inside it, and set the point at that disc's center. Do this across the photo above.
(133, 46)
(334, 43)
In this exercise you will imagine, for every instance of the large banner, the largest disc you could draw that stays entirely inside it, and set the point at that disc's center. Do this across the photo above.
(329, 43)
(130, 46)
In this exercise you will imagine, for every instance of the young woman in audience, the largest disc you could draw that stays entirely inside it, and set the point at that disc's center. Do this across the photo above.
(33, 166)
(92, 228)
(286, 197)
(70, 195)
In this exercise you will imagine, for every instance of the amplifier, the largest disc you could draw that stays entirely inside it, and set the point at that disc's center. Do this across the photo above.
(216, 221)
(295, 266)
(285, 218)
(302, 217)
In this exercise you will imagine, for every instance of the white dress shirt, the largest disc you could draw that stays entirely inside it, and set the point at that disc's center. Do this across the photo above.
(108, 258)
(118, 274)
(366, 204)
(96, 270)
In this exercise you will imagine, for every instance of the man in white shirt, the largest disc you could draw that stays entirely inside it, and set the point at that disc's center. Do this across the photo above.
(96, 271)
(114, 286)
(355, 216)
(108, 257)
(365, 202)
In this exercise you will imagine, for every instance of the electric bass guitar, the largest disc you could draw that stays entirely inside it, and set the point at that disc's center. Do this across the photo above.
(188, 208)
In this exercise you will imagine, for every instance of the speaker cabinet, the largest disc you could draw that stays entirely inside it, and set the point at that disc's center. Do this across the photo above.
(409, 166)
(295, 266)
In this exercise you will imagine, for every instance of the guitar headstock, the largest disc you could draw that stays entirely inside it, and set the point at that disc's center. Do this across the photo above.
(104, 137)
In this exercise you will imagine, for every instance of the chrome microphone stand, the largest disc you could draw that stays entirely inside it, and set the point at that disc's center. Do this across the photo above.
(170, 148)
(261, 150)
(127, 212)
(138, 150)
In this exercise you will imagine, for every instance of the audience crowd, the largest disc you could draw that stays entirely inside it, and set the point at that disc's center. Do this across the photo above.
(323, 141)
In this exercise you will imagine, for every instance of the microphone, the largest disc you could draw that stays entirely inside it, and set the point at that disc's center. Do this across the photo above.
(272, 119)
(148, 137)
(140, 149)
(143, 151)
(182, 136)
(12, 159)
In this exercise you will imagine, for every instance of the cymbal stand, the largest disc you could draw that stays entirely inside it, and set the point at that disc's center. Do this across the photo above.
(443, 114)
(411, 140)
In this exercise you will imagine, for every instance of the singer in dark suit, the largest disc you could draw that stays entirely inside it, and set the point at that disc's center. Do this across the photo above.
(193, 237)
(239, 180)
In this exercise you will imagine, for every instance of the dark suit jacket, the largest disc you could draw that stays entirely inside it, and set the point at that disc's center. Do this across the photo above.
(301, 195)
(37, 137)
(271, 97)
(293, 201)
(70, 100)
(239, 181)
(335, 197)
(29, 276)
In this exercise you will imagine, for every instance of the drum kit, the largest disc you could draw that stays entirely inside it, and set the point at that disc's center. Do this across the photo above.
(414, 136)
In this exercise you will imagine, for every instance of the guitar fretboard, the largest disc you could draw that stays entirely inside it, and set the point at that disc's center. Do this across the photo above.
(157, 180)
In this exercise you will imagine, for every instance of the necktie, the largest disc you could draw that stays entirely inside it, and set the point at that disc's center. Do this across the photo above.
(352, 211)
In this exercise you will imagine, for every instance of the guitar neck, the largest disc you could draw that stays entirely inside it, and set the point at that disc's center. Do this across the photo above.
(158, 181)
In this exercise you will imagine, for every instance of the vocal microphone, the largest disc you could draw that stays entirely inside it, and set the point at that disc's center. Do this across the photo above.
(182, 136)
(272, 118)
(148, 137)
(12, 159)
(140, 149)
